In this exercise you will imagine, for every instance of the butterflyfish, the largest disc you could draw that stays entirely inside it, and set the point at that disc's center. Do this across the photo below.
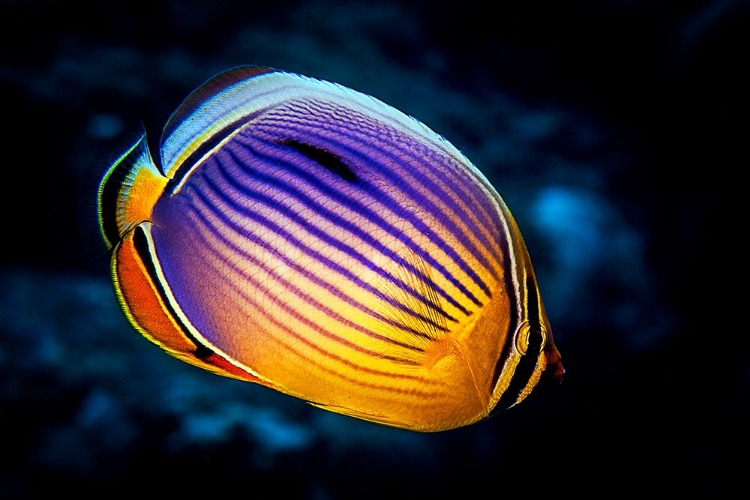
(304, 236)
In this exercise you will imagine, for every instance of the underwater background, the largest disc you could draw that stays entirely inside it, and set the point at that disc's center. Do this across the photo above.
(613, 129)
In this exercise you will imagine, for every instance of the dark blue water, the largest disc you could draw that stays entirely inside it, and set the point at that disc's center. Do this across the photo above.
(614, 131)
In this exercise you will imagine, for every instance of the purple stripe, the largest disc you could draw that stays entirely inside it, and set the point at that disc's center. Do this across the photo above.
(312, 277)
(358, 135)
(358, 207)
(317, 348)
(298, 195)
(293, 216)
(282, 232)
(285, 306)
(345, 150)
(365, 131)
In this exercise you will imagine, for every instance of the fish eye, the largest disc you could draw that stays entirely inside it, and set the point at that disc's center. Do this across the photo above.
(530, 337)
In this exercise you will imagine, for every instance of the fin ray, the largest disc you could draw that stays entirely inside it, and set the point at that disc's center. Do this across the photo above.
(133, 169)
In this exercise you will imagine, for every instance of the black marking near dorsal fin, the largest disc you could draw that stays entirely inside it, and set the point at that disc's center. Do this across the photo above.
(326, 159)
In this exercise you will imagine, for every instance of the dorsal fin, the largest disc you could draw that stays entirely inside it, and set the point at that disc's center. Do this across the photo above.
(211, 87)
(233, 98)
(212, 110)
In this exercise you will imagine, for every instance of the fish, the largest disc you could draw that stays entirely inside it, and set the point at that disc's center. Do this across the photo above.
(312, 239)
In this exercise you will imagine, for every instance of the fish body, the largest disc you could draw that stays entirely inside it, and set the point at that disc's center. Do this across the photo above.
(312, 239)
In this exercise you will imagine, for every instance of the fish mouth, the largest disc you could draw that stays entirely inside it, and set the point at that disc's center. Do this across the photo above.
(555, 368)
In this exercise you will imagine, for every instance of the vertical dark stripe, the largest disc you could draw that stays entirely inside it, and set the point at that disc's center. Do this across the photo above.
(513, 312)
(142, 247)
(510, 335)
(528, 362)
(525, 369)
(132, 149)
(108, 203)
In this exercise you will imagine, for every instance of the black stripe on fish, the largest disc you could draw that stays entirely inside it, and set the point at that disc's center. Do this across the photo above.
(513, 311)
(529, 360)
(133, 147)
(143, 249)
(109, 202)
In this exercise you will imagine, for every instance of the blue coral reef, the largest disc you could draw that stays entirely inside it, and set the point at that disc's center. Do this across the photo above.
(608, 128)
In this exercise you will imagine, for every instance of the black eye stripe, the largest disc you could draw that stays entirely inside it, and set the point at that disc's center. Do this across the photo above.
(529, 361)
(524, 371)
